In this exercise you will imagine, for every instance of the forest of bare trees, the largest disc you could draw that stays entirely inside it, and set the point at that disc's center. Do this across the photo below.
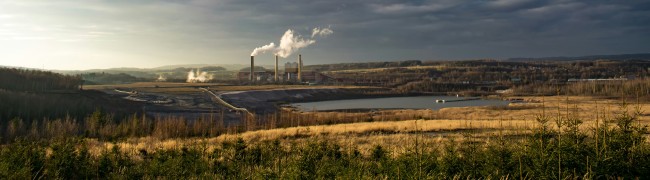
(35, 80)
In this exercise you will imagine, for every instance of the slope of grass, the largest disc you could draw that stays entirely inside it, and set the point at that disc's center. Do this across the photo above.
(615, 149)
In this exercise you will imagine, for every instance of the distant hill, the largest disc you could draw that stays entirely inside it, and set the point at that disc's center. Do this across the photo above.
(15, 79)
(229, 67)
(155, 72)
(38, 95)
(641, 56)
(362, 65)
(147, 73)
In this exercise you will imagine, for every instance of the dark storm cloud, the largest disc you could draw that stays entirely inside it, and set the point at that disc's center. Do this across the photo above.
(363, 29)
(506, 26)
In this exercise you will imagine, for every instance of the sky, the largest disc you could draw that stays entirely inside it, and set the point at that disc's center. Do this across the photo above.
(90, 34)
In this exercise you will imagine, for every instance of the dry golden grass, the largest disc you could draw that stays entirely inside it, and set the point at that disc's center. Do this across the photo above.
(467, 123)
(390, 127)
(396, 135)
(586, 108)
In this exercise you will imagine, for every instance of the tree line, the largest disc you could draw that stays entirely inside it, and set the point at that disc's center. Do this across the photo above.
(14, 79)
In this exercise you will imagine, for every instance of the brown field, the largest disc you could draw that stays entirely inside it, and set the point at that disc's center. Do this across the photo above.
(587, 108)
(459, 124)
(397, 135)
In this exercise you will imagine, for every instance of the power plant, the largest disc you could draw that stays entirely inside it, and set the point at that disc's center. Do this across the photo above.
(290, 42)
(293, 72)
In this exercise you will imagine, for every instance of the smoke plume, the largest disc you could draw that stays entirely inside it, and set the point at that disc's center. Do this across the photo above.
(198, 76)
(161, 78)
(263, 49)
(292, 42)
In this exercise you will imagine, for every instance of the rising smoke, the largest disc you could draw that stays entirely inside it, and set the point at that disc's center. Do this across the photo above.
(292, 42)
(199, 76)
(263, 49)
(161, 78)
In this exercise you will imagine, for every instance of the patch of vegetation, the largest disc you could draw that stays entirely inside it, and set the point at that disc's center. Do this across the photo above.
(615, 149)
(639, 87)
(514, 107)
(33, 98)
(56, 149)
(13, 79)
(108, 78)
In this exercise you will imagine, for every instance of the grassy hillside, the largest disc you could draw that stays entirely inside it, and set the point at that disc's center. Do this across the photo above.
(52, 130)
(616, 148)
(13, 79)
(33, 99)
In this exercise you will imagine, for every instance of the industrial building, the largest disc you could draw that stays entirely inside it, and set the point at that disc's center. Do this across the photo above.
(293, 72)
(260, 75)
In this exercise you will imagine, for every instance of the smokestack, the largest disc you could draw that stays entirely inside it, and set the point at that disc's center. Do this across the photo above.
(299, 67)
(252, 69)
(276, 68)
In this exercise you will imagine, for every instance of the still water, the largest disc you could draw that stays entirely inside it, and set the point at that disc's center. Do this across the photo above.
(415, 102)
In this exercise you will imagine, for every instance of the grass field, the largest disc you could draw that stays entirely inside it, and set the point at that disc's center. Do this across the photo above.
(396, 135)
(425, 126)
(594, 139)
(459, 124)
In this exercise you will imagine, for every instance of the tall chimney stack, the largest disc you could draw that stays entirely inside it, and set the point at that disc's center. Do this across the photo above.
(299, 67)
(252, 74)
(276, 68)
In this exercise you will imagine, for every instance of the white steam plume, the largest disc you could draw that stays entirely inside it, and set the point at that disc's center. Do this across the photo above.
(198, 76)
(290, 43)
(263, 49)
(161, 78)
(321, 32)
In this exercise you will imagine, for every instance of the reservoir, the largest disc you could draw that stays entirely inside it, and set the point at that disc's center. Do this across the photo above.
(414, 102)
